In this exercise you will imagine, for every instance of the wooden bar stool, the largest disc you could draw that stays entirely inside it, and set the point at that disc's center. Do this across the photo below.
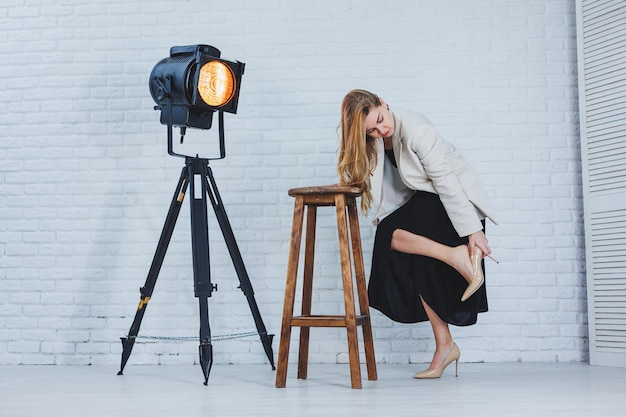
(344, 199)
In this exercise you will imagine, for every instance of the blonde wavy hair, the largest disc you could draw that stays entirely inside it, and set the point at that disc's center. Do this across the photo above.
(357, 151)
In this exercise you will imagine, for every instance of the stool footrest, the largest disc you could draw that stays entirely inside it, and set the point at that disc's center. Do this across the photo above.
(325, 321)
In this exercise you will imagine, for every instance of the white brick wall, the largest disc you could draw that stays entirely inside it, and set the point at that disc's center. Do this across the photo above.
(85, 180)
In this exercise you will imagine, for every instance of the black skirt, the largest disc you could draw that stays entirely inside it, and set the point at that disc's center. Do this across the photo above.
(398, 279)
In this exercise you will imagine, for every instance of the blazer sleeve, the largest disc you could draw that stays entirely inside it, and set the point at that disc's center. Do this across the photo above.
(436, 156)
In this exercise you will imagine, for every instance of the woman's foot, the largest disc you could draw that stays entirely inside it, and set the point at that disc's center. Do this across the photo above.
(440, 362)
(461, 261)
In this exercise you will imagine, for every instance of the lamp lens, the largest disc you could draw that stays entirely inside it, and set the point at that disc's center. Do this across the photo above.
(216, 83)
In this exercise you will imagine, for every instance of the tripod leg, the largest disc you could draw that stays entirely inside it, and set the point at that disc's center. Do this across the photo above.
(205, 349)
(201, 263)
(146, 291)
(240, 268)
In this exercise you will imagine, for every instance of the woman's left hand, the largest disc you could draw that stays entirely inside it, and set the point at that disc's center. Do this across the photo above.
(478, 239)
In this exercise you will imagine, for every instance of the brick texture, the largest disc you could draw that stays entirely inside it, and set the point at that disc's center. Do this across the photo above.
(85, 179)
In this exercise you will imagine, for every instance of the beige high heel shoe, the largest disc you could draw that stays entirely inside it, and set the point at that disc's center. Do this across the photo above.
(454, 355)
(477, 276)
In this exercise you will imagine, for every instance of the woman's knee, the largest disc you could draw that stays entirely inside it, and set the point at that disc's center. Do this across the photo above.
(399, 240)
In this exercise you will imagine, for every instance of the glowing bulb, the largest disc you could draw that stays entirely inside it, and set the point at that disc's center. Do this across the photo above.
(216, 83)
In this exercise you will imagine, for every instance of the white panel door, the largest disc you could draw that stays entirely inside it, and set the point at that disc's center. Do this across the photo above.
(601, 28)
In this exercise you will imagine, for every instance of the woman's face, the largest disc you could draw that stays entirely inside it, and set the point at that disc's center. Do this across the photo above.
(379, 122)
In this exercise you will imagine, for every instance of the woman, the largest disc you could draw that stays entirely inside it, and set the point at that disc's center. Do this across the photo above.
(429, 212)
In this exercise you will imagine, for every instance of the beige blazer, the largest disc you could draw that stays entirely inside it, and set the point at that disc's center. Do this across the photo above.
(426, 162)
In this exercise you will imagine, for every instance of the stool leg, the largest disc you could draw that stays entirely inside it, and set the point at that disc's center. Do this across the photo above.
(307, 290)
(348, 291)
(290, 292)
(359, 269)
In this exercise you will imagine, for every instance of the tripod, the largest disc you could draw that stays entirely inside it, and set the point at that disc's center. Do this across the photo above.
(198, 175)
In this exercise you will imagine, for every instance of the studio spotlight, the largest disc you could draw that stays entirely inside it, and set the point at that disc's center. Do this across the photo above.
(188, 87)
(192, 84)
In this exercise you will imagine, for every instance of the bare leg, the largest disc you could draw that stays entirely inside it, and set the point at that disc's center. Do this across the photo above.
(443, 338)
(457, 257)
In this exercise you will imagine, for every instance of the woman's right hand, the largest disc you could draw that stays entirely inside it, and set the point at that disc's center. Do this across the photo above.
(479, 240)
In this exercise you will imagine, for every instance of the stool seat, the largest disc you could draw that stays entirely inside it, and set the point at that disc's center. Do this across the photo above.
(344, 200)
(326, 189)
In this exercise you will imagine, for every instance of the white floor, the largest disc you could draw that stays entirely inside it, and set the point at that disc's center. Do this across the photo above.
(481, 390)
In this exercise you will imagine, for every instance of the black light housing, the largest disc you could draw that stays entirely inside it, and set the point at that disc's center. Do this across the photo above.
(192, 83)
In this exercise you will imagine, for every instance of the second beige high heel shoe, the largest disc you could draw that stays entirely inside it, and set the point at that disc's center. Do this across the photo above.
(454, 355)
(477, 276)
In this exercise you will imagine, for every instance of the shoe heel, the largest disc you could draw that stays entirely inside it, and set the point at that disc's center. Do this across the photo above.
(493, 259)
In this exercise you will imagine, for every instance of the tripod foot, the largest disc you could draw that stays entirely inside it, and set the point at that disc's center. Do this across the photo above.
(206, 359)
(127, 347)
(266, 340)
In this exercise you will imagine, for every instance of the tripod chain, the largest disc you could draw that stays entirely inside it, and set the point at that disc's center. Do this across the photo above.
(195, 339)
